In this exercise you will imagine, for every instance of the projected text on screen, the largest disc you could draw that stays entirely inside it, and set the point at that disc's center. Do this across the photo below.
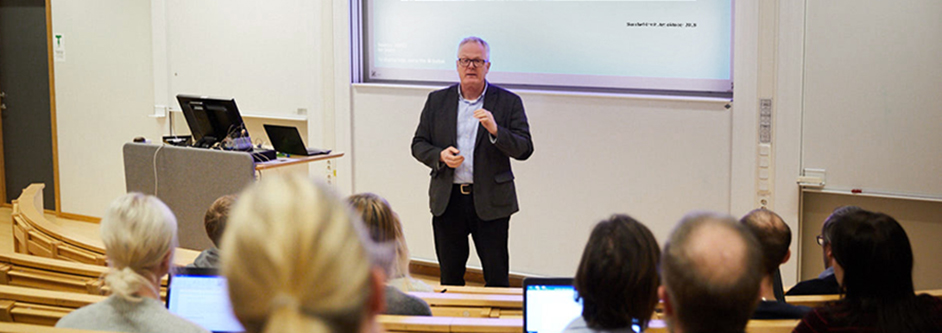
(657, 45)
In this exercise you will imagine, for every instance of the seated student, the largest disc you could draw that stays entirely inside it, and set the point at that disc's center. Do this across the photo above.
(774, 238)
(617, 278)
(384, 228)
(140, 234)
(711, 266)
(297, 261)
(826, 283)
(873, 262)
(215, 223)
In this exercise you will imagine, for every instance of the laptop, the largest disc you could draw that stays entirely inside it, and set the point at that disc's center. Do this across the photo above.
(201, 296)
(286, 139)
(549, 304)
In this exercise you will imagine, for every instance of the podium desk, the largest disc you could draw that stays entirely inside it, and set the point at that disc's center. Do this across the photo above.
(295, 159)
(188, 180)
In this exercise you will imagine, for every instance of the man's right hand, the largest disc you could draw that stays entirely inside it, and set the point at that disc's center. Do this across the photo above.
(451, 158)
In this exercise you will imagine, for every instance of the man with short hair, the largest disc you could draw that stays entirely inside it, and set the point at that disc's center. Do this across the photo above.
(711, 272)
(467, 134)
(774, 238)
(215, 223)
(826, 283)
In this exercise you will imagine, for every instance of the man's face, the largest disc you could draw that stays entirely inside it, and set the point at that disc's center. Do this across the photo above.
(473, 73)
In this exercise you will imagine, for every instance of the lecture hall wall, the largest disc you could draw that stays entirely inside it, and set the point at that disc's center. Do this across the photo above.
(652, 158)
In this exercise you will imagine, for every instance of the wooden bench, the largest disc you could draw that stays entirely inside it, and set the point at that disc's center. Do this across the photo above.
(478, 290)
(59, 275)
(27, 328)
(446, 324)
(34, 234)
(472, 276)
(473, 305)
(400, 324)
(754, 326)
(816, 301)
(50, 274)
(40, 307)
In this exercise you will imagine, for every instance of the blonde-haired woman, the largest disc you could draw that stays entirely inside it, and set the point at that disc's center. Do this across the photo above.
(385, 228)
(296, 261)
(139, 233)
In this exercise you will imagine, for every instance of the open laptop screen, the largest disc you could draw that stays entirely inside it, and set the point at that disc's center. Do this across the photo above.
(549, 304)
(201, 295)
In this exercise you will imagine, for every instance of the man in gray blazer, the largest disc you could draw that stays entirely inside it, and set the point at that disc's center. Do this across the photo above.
(466, 135)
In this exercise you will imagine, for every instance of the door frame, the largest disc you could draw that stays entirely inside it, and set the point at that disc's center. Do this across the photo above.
(52, 113)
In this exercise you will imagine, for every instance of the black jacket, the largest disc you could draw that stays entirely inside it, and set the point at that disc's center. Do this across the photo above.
(494, 191)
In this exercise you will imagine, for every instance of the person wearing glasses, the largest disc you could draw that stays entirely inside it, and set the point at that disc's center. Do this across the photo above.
(826, 283)
(467, 134)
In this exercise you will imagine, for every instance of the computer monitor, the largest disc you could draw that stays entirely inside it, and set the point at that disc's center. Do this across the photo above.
(211, 120)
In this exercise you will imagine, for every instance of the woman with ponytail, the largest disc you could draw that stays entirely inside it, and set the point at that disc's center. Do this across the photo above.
(297, 260)
(139, 233)
(384, 228)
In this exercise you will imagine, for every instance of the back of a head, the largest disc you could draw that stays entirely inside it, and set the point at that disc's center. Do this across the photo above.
(617, 278)
(711, 267)
(139, 233)
(836, 214)
(295, 260)
(875, 254)
(773, 235)
(216, 218)
(384, 228)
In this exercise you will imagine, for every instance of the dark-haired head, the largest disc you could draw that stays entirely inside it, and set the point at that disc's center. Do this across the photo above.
(617, 278)
(826, 229)
(874, 265)
(874, 255)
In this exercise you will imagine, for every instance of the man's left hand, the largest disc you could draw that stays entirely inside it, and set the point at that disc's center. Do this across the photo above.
(487, 120)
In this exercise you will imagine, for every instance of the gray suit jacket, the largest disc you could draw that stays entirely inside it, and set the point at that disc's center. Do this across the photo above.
(494, 191)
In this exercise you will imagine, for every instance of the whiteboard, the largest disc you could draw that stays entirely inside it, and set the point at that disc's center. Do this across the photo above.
(259, 52)
(872, 108)
(652, 159)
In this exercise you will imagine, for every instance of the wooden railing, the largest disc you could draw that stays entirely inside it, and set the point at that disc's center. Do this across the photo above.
(473, 305)
(34, 234)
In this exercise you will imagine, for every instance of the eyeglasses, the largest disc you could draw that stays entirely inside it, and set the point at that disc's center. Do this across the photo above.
(821, 240)
(466, 62)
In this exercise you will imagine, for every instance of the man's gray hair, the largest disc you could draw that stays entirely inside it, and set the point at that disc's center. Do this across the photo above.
(473, 39)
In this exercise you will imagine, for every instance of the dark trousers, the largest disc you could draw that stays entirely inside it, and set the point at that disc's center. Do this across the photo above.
(451, 242)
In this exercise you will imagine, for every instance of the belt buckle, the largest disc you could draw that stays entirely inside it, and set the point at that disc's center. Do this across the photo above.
(465, 189)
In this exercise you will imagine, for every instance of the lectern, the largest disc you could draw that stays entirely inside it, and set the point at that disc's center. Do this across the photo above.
(188, 180)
